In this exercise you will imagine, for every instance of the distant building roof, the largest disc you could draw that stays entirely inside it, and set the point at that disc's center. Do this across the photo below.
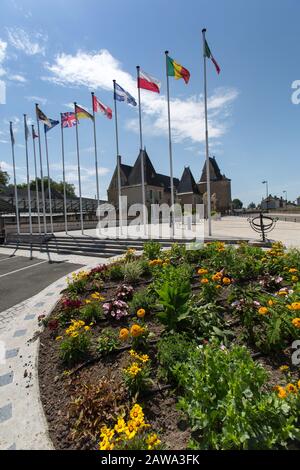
(187, 183)
(215, 173)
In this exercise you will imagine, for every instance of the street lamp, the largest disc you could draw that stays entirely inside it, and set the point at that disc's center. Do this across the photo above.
(285, 192)
(267, 192)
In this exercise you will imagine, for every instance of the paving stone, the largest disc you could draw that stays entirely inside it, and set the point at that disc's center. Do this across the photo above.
(30, 317)
(6, 379)
(49, 294)
(11, 353)
(12, 447)
(39, 304)
(18, 333)
(5, 412)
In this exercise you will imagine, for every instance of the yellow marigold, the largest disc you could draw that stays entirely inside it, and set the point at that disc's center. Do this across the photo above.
(107, 432)
(291, 388)
(141, 313)
(136, 330)
(218, 286)
(123, 335)
(283, 368)
(217, 277)
(282, 293)
(202, 271)
(293, 270)
(295, 306)
(136, 412)
(204, 280)
(58, 338)
(296, 322)
(87, 328)
(120, 426)
(133, 370)
(105, 444)
(88, 301)
(226, 280)
(262, 310)
(281, 392)
(295, 278)
(130, 429)
(152, 441)
(270, 302)
(298, 383)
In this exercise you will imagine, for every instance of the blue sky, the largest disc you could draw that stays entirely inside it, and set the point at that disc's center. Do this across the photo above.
(58, 52)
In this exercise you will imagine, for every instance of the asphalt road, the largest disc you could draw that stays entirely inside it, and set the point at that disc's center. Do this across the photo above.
(21, 278)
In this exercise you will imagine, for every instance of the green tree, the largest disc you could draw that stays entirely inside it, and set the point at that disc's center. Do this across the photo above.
(57, 186)
(4, 178)
(237, 204)
(251, 205)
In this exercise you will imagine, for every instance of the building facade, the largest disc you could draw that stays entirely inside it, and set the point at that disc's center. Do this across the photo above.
(158, 186)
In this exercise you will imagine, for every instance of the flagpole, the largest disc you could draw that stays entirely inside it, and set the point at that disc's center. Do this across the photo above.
(64, 174)
(36, 180)
(15, 179)
(118, 162)
(27, 168)
(96, 153)
(206, 140)
(142, 151)
(79, 178)
(41, 169)
(170, 148)
(49, 180)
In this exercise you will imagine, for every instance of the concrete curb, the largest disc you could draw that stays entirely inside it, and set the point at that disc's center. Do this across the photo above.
(22, 421)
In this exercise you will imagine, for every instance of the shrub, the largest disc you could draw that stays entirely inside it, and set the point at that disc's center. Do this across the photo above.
(77, 283)
(152, 250)
(224, 398)
(173, 348)
(143, 298)
(108, 341)
(132, 434)
(132, 271)
(92, 312)
(115, 272)
(75, 343)
(91, 405)
(137, 374)
(173, 297)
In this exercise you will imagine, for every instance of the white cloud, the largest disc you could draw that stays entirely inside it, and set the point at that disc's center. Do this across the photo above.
(37, 99)
(97, 70)
(30, 45)
(3, 47)
(17, 78)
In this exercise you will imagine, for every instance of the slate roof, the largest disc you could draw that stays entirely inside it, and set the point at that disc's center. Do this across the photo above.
(134, 176)
(187, 183)
(215, 173)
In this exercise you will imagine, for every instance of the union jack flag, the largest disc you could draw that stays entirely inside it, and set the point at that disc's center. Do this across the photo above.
(68, 120)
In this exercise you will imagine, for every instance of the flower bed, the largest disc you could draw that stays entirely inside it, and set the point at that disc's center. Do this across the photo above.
(176, 349)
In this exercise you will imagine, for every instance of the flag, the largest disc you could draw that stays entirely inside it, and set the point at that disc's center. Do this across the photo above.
(53, 123)
(27, 131)
(82, 113)
(68, 120)
(176, 70)
(208, 54)
(34, 134)
(148, 82)
(121, 95)
(42, 117)
(12, 137)
(102, 108)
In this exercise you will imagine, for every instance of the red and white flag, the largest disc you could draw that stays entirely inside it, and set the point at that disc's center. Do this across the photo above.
(99, 107)
(147, 82)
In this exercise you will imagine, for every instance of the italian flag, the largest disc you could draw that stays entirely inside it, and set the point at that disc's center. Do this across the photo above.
(176, 70)
(209, 55)
(147, 82)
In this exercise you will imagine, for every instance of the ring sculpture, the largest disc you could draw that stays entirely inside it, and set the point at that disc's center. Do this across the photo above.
(262, 224)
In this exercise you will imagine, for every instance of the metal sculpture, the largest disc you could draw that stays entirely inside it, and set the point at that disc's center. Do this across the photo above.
(262, 224)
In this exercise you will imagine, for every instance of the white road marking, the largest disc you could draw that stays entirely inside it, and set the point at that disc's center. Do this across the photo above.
(22, 269)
